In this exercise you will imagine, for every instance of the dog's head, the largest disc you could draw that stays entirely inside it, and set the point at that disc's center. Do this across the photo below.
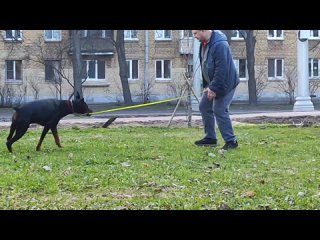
(80, 106)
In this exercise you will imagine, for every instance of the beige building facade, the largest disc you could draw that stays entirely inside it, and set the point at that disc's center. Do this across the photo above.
(276, 63)
(37, 64)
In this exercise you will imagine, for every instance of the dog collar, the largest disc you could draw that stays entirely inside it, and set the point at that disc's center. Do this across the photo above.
(69, 103)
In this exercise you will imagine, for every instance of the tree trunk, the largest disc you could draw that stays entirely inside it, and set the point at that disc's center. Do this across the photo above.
(189, 107)
(228, 34)
(123, 67)
(76, 62)
(250, 47)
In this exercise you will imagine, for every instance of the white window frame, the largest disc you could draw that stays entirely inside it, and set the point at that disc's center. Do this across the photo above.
(13, 33)
(236, 63)
(314, 38)
(275, 35)
(275, 77)
(56, 36)
(162, 78)
(162, 37)
(130, 70)
(95, 69)
(103, 33)
(130, 33)
(14, 79)
(238, 35)
(182, 34)
(311, 64)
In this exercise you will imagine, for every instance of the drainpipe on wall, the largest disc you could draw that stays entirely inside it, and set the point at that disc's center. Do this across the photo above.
(197, 75)
(146, 66)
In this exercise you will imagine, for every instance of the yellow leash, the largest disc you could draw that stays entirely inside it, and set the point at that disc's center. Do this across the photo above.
(136, 106)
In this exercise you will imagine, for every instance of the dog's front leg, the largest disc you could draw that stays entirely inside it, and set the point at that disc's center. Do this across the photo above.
(43, 134)
(54, 131)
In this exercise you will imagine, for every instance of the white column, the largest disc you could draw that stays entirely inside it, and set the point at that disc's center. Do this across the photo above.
(146, 64)
(303, 101)
(197, 80)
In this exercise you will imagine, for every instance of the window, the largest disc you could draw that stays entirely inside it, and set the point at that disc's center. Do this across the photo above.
(275, 69)
(241, 66)
(96, 33)
(236, 35)
(314, 68)
(275, 34)
(94, 70)
(14, 70)
(52, 69)
(314, 34)
(133, 69)
(130, 34)
(163, 69)
(162, 35)
(52, 35)
(186, 34)
(13, 35)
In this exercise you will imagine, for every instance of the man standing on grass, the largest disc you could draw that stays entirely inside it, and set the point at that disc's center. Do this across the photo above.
(220, 78)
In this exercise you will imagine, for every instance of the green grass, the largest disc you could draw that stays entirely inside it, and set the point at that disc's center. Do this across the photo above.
(275, 167)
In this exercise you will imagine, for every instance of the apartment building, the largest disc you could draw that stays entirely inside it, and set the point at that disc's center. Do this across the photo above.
(275, 63)
(37, 64)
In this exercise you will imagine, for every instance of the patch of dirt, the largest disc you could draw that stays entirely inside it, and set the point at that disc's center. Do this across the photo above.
(304, 121)
(149, 123)
(296, 120)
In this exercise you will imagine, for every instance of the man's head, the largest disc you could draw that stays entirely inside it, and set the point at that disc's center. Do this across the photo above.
(202, 35)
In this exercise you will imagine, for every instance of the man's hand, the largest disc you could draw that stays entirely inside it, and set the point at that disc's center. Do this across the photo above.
(211, 95)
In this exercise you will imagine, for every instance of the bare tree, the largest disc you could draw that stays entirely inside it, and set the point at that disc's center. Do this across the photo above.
(314, 50)
(260, 81)
(250, 40)
(146, 89)
(183, 88)
(314, 85)
(10, 95)
(188, 82)
(314, 46)
(77, 62)
(188, 78)
(54, 59)
(119, 43)
(34, 84)
(176, 87)
(11, 38)
(288, 85)
(7, 94)
(13, 94)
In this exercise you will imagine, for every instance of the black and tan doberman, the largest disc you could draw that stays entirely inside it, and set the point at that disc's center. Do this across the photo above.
(47, 113)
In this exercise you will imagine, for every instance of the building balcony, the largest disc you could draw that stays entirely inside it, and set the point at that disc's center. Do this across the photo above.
(96, 46)
(186, 46)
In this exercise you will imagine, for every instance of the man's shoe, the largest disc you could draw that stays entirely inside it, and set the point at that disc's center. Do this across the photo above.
(208, 142)
(230, 145)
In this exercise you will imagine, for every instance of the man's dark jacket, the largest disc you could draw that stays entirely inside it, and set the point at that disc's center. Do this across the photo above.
(220, 66)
